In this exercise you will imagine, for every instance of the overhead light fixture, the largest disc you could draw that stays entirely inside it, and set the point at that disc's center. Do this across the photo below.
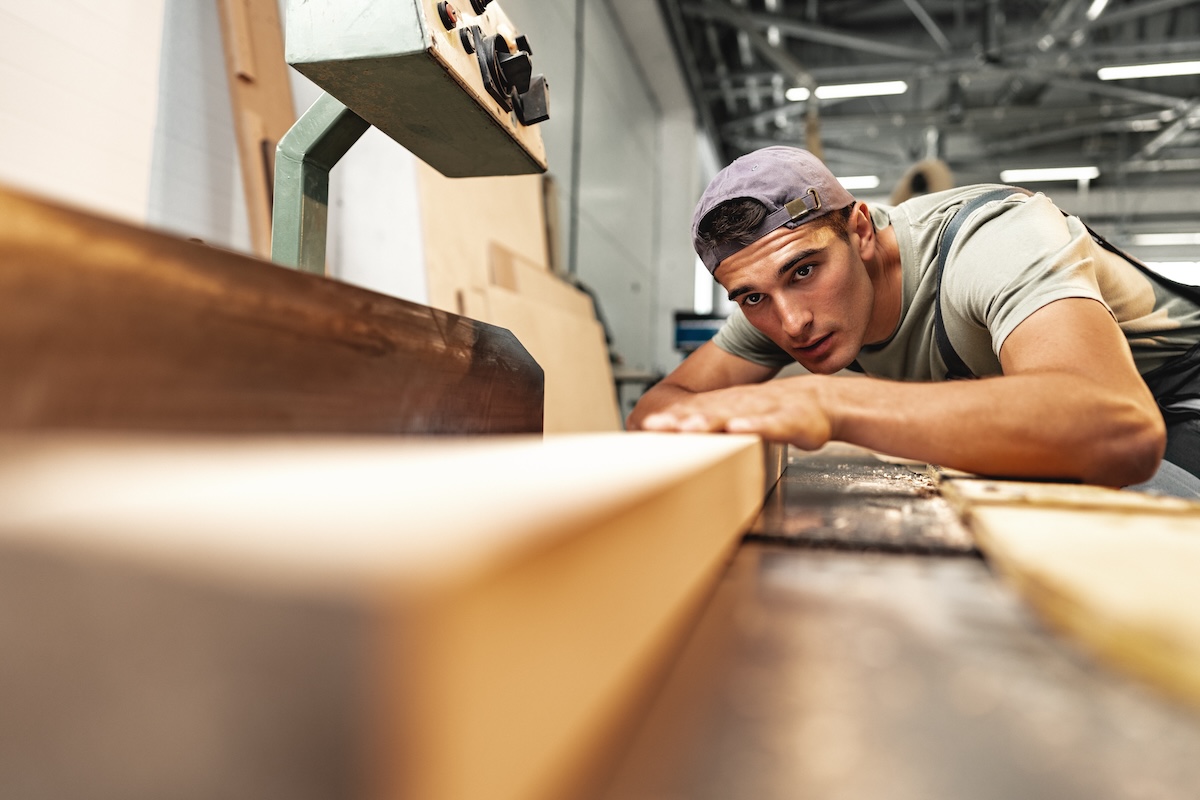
(1051, 174)
(1162, 70)
(843, 91)
(1165, 239)
(1096, 8)
(853, 183)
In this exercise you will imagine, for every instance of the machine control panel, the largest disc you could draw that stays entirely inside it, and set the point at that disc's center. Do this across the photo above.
(453, 82)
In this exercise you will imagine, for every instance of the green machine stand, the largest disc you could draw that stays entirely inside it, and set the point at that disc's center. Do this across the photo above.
(299, 217)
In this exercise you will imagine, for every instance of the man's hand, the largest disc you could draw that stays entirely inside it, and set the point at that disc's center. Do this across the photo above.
(788, 410)
(707, 369)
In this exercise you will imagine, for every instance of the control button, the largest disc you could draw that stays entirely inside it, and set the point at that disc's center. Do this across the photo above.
(448, 14)
(479, 5)
(467, 37)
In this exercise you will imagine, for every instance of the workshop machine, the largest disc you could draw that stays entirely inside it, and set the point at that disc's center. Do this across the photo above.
(453, 85)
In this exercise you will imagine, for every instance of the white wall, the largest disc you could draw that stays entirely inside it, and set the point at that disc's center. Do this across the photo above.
(78, 99)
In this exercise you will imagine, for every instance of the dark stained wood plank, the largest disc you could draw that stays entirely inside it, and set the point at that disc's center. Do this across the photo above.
(104, 325)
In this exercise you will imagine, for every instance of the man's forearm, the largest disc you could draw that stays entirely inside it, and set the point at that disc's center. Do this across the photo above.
(1046, 425)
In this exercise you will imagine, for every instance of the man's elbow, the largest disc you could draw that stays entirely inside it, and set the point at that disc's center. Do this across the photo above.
(1134, 452)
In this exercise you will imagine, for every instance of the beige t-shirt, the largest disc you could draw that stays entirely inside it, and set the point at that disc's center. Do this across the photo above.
(1009, 259)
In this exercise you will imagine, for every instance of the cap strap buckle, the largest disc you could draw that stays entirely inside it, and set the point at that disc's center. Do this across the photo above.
(799, 207)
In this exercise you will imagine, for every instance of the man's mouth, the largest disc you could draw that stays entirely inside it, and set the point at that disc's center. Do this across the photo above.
(815, 345)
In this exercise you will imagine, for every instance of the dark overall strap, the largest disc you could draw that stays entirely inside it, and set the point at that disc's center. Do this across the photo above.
(955, 367)
(1176, 384)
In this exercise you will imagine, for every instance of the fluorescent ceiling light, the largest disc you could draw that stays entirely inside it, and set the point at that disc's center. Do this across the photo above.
(1148, 70)
(845, 90)
(854, 182)
(1053, 174)
(1096, 8)
(1165, 239)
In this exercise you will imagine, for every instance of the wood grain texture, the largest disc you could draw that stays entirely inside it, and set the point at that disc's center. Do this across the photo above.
(109, 326)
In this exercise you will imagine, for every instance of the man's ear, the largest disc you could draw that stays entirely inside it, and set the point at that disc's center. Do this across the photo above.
(861, 226)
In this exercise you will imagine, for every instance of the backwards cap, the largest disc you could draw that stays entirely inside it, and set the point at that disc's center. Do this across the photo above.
(794, 185)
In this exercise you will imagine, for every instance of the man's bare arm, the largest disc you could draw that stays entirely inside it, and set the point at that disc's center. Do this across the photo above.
(705, 370)
(1070, 405)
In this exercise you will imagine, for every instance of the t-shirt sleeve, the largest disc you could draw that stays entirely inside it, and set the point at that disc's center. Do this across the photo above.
(1011, 259)
(738, 337)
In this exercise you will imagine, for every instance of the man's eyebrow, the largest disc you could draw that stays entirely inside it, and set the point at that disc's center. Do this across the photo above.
(801, 256)
(791, 262)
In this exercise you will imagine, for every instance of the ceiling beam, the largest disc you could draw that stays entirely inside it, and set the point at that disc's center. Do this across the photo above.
(1169, 134)
(803, 30)
(779, 57)
(929, 24)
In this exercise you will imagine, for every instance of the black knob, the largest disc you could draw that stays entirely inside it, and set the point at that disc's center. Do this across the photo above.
(479, 5)
(533, 106)
(467, 37)
(517, 70)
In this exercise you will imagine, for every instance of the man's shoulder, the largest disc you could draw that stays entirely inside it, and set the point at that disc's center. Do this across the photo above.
(940, 203)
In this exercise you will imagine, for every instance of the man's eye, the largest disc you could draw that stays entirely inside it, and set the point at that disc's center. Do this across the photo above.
(752, 299)
(802, 272)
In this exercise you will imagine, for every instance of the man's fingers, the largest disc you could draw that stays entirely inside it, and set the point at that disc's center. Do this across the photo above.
(692, 422)
(808, 433)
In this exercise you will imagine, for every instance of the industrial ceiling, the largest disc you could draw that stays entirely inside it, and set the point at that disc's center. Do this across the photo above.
(992, 85)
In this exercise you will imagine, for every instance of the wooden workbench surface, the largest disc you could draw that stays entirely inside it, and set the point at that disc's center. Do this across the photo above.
(852, 652)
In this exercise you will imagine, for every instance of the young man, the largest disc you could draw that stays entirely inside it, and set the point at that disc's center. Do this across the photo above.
(1066, 337)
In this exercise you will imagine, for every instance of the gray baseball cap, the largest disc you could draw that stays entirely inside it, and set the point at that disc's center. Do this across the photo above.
(794, 185)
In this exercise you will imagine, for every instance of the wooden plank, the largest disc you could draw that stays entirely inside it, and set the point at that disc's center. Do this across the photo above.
(452, 638)
(1115, 571)
(105, 325)
(261, 95)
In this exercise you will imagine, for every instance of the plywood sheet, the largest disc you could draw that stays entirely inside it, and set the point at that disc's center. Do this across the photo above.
(463, 217)
(495, 607)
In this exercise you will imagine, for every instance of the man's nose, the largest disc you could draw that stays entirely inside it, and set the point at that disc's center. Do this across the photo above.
(794, 318)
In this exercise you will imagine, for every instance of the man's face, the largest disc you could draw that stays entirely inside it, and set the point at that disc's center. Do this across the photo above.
(807, 290)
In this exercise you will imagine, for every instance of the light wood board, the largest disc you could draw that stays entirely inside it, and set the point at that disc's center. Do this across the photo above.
(468, 618)
(1116, 571)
